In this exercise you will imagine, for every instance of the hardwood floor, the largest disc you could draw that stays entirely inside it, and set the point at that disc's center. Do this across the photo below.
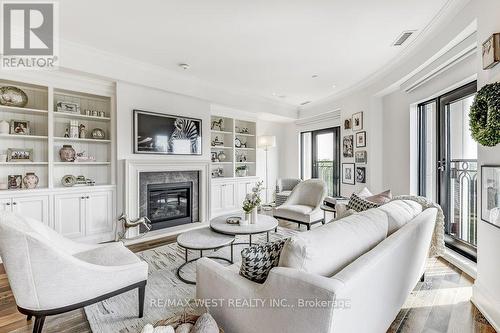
(440, 304)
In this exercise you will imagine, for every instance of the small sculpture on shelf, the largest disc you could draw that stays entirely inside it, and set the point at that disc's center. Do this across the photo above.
(13, 96)
(218, 125)
(66, 133)
(241, 157)
(82, 132)
(241, 130)
(217, 172)
(125, 223)
(81, 157)
(217, 142)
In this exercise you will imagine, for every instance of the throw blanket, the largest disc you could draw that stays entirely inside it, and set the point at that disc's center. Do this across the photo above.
(437, 243)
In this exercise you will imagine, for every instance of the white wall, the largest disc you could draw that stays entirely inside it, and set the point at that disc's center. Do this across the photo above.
(129, 97)
(486, 292)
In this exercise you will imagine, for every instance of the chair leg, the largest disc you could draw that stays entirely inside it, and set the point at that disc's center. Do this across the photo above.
(29, 317)
(142, 293)
(422, 278)
(37, 328)
(308, 226)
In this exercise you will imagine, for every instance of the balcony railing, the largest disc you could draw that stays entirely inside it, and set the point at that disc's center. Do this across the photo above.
(463, 207)
(325, 172)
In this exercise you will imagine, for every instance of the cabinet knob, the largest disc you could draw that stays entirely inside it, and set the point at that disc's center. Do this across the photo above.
(87, 197)
(83, 197)
(7, 204)
(14, 203)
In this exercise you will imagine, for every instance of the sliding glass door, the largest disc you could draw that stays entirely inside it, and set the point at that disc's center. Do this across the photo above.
(320, 157)
(448, 174)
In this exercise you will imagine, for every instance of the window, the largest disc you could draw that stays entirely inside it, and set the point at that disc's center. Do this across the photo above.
(320, 157)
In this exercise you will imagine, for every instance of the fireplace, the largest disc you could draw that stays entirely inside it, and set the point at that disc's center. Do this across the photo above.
(170, 204)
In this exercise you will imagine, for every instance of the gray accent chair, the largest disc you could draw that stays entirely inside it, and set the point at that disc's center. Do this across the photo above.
(285, 186)
(303, 204)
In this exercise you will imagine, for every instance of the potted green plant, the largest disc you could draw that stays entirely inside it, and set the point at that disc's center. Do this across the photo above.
(242, 170)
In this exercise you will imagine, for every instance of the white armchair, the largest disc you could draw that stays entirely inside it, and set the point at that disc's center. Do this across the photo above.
(50, 274)
(284, 187)
(303, 204)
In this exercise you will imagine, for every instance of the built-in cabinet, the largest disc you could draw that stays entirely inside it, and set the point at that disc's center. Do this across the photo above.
(36, 207)
(227, 195)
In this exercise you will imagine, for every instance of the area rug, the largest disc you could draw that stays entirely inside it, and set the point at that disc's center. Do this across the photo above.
(166, 295)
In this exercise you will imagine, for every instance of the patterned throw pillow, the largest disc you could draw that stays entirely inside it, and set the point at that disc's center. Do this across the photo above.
(359, 204)
(257, 261)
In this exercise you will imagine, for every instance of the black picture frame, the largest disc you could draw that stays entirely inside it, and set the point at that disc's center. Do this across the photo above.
(359, 134)
(353, 174)
(148, 125)
(483, 197)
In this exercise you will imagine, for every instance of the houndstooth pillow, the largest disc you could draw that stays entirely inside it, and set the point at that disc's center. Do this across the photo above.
(359, 204)
(257, 261)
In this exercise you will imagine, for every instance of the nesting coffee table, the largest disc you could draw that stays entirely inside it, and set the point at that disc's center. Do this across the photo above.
(265, 224)
(220, 234)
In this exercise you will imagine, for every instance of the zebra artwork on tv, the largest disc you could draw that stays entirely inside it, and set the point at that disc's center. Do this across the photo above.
(158, 133)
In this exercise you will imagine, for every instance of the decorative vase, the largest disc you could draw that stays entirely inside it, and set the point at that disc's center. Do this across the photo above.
(67, 153)
(254, 217)
(30, 180)
(4, 127)
(221, 156)
(246, 219)
(13, 96)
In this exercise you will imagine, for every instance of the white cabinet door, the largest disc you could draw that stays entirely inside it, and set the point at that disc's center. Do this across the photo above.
(36, 207)
(243, 188)
(5, 205)
(216, 199)
(69, 214)
(229, 196)
(99, 213)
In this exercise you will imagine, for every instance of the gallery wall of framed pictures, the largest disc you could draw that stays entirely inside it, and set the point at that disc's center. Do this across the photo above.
(490, 194)
(354, 150)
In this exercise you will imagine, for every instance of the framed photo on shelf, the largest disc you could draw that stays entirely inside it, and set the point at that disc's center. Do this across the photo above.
(348, 173)
(490, 194)
(159, 133)
(19, 155)
(361, 175)
(361, 139)
(67, 107)
(357, 121)
(19, 127)
(348, 146)
(14, 182)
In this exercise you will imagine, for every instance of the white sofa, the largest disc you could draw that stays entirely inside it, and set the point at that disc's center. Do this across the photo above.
(50, 274)
(365, 264)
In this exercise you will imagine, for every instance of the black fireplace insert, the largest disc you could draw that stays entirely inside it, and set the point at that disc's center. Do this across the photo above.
(170, 204)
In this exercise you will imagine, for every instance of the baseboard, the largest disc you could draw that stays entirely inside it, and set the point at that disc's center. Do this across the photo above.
(490, 308)
(464, 264)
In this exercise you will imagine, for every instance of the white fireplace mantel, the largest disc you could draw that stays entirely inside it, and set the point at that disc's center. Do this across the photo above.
(133, 168)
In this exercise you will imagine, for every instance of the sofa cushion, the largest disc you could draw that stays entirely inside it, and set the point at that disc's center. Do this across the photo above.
(329, 248)
(257, 260)
(399, 212)
(359, 204)
(380, 198)
(301, 213)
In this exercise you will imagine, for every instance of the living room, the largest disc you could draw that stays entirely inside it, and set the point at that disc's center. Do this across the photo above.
(250, 167)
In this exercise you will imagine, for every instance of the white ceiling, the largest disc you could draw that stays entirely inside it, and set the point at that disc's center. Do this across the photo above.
(259, 47)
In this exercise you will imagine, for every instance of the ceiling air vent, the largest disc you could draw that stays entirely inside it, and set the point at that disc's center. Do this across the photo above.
(306, 102)
(403, 37)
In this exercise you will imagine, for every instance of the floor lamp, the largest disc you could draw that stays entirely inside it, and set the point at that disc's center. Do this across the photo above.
(266, 142)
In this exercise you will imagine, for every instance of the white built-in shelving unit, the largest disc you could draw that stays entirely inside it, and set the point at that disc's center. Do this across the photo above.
(46, 136)
(234, 130)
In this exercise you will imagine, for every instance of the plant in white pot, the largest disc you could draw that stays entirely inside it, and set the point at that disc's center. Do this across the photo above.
(252, 202)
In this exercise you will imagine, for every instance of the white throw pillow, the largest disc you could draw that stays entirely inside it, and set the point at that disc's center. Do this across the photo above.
(399, 212)
(328, 249)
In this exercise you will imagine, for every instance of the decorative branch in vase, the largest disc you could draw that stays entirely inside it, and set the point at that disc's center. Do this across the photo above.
(252, 202)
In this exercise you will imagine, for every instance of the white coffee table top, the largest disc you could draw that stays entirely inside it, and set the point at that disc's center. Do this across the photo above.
(265, 223)
(203, 239)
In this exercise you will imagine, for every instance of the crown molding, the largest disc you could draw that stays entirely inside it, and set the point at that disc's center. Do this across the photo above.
(320, 118)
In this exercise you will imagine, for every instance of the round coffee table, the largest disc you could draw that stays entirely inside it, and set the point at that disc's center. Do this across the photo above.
(264, 224)
(199, 240)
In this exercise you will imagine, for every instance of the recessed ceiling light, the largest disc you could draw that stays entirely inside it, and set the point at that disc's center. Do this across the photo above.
(314, 76)
(184, 66)
(334, 86)
(306, 102)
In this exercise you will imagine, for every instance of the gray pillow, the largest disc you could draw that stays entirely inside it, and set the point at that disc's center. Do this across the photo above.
(257, 261)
